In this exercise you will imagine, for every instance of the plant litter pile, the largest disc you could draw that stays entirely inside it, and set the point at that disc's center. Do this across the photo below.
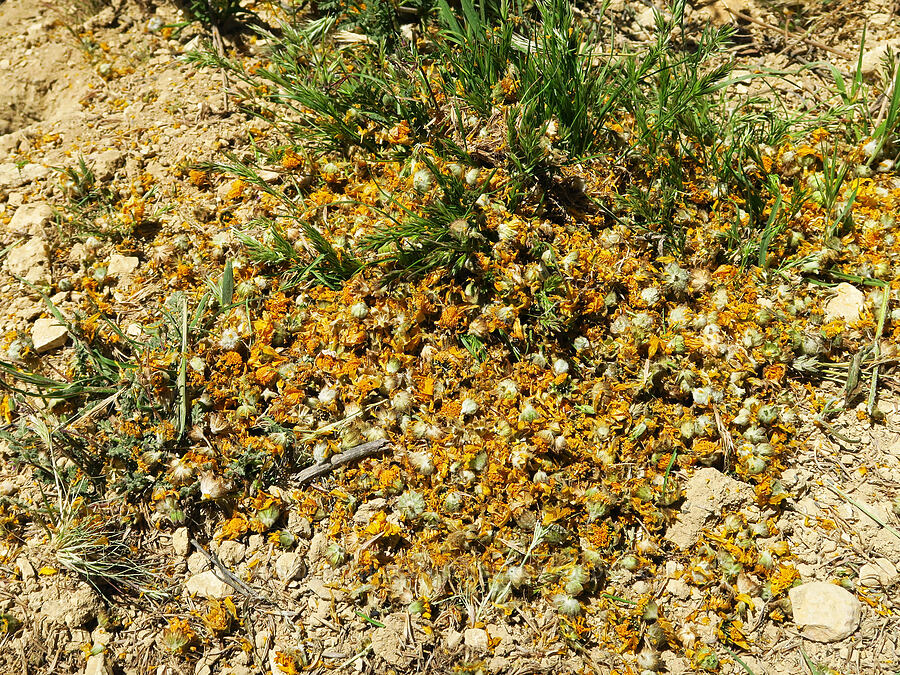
(495, 341)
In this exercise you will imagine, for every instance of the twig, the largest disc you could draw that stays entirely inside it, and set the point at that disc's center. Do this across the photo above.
(348, 456)
(228, 577)
(807, 40)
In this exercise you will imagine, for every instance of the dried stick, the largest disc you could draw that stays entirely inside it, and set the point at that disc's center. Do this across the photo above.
(354, 454)
(801, 38)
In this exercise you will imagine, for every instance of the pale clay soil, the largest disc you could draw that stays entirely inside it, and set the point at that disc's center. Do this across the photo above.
(156, 114)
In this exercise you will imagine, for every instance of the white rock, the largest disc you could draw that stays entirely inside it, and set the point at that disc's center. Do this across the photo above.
(847, 303)
(477, 639)
(879, 572)
(105, 164)
(11, 176)
(289, 566)
(181, 542)
(231, 552)
(197, 562)
(30, 260)
(824, 612)
(96, 665)
(875, 53)
(208, 585)
(121, 266)
(47, 334)
(30, 219)
(707, 494)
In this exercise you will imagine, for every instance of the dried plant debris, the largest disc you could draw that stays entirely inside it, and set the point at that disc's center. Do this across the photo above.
(449, 337)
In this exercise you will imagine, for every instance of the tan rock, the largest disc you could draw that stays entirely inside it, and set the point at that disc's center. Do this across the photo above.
(181, 542)
(30, 260)
(846, 305)
(13, 176)
(96, 665)
(389, 641)
(879, 572)
(875, 52)
(231, 552)
(105, 164)
(477, 639)
(121, 266)
(31, 219)
(48, 334)
(824, 612)
(208, 585)
(290, 566)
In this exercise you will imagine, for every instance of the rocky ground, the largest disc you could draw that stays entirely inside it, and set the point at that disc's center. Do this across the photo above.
(108, 84)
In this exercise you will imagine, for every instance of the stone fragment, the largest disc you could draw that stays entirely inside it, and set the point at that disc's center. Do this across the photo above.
(824, 612)
(846, 305)
(181, 542)
(322, 590)
(197, 562)
(74, 608)
(389, 641)
(477, 639)
(96, 665)
(31, 219)
(26, 569)
(875, 52)
(105, 164)
(25, 309)
(30, 260)
(208, 585)
(13, 176)
(678, 589)
(48, 334)
(707, 494)
(231, 552)
(879, 572)
(121, 266)
(289, 566)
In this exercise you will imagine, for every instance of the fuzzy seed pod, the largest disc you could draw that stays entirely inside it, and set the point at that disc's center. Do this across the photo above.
(648, 660)
(453, 502)
(411, 505)
(629, 562)
(402, 401)
(180, 473)
(743, 418)
(286, 539)
(268, 516)
(469, 407)
(213, 486)
(422, 462)
(560, 367)
(518, 576)
(422, 180)
(335, 555)
(756, 465)
(567, 605)
(359, 311)
(529, 414)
